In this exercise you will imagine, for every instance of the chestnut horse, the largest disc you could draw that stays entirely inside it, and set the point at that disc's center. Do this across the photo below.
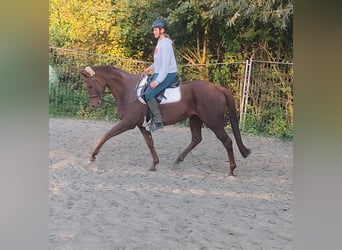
(201, 102)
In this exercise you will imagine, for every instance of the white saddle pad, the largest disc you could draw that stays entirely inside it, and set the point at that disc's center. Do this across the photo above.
(171, 94)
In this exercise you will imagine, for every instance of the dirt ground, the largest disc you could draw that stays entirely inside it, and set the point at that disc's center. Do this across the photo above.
(116, 203)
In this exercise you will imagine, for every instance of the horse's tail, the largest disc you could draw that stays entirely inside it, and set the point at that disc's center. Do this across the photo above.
(234, 122)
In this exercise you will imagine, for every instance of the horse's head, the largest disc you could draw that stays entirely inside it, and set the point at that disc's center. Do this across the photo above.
(95, 87)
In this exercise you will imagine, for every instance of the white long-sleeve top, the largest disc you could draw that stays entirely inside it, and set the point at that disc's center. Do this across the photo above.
(164, 59)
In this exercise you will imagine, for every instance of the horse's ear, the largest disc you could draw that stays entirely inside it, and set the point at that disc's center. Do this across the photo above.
(88, 72)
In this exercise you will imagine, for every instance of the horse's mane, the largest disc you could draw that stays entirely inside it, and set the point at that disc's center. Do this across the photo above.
(110, 68)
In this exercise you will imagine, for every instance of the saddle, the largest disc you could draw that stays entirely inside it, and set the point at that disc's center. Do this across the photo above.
(168, 95)
(161, 95)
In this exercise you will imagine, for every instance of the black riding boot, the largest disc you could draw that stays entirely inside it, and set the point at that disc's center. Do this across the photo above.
(156, 122)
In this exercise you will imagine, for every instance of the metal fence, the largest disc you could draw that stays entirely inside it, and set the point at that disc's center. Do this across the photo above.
(263, 90)
(267, 97)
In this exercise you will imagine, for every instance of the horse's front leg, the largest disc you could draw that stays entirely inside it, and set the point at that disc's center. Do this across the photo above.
(149, 141)
(117, 129)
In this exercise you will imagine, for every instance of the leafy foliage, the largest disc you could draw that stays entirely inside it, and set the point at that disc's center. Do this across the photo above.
(85, 24)
(210, 29)
(208, 36)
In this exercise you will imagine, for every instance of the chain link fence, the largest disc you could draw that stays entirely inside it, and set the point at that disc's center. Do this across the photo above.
(263, 90)
(267, 98)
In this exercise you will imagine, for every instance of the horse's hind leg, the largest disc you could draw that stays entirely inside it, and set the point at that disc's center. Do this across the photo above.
(149, 141)
(196, 138)
(222, 135)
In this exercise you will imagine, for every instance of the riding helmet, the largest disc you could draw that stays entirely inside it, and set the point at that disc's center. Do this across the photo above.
(159, 23)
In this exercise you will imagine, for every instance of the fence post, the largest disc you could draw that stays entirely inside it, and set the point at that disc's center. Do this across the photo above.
(245, 90)
(243, 93)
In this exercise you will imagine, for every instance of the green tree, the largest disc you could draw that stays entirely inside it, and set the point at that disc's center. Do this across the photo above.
(203, 31)
(263, 26)
(208, 30)
(85, 25)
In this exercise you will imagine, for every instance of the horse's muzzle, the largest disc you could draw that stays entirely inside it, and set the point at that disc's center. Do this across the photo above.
(95, 104)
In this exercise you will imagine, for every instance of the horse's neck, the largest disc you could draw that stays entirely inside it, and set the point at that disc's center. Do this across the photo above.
(120, 85)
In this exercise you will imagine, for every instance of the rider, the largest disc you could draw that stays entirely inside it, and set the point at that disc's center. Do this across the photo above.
(164, 70)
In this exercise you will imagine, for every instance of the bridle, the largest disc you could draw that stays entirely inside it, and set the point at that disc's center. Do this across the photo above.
(97, 93)
(91, 73)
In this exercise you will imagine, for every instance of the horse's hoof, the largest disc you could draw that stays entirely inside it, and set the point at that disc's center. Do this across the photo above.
(152, 169)
(91, 159)
(231, 175)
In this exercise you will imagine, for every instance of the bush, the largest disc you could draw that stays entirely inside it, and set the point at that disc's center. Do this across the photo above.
(268, 123)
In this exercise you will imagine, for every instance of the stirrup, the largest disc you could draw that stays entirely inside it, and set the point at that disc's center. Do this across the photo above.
(153, 126)
(146, 122)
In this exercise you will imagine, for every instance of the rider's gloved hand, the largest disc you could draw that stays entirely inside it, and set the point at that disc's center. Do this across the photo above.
(147, 71)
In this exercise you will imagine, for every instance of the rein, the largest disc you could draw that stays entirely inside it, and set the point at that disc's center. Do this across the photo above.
(136, 88)
(114, 102)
